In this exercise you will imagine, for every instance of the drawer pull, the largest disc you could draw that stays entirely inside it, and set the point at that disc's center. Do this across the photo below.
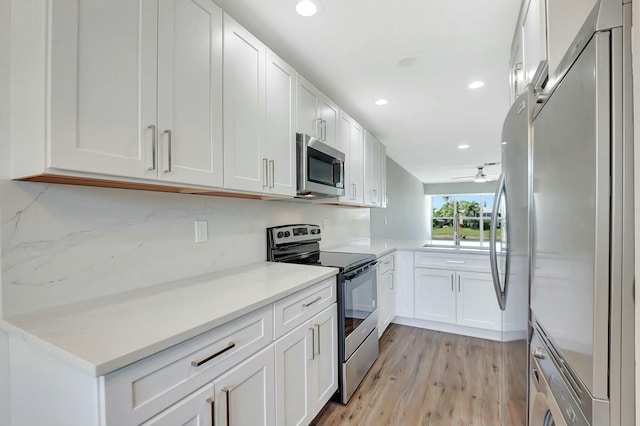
(316, 300)
(198, 363)
(456, 261)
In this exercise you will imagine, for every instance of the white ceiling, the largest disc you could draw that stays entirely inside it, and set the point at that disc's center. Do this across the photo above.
(351, 49)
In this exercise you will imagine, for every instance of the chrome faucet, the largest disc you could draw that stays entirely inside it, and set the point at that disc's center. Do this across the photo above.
(456, 229)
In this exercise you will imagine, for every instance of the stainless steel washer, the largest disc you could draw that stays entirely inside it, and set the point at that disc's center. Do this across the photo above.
(543, 408)
(552, 392)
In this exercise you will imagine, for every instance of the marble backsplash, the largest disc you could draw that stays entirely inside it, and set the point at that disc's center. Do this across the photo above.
(62, 244)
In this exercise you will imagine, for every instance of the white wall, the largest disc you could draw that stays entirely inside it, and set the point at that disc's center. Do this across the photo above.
(460, 188)
(406, 213)
(5, 7)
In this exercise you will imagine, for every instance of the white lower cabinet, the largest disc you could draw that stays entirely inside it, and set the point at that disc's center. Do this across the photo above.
(435, 296)
(450, 292)
(306, 362)
(476, 302)
(246, 395)
(195, 409)
(404, 277)
(386, 292)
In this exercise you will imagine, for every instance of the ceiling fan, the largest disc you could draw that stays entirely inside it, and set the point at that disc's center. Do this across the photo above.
(480, 176)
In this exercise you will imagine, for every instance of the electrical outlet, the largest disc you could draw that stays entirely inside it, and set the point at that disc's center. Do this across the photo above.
(325, 223)
(202, 234)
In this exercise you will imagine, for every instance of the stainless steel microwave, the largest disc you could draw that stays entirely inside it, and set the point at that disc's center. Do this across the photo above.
(320, 168)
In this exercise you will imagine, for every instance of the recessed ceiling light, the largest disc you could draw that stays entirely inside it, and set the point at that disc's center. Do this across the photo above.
(407, 61)
(306, 8)
(476, 85)
(382, 102)
(463, 146)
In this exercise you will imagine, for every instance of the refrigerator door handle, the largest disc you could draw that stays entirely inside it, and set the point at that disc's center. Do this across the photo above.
(501, 294)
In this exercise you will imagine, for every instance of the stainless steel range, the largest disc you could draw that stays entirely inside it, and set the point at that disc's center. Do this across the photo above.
(357, 298)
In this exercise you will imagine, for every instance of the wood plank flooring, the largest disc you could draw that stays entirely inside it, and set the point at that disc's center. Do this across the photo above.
(424, 377)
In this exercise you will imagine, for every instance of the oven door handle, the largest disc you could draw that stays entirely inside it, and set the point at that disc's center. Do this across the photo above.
(366, 269)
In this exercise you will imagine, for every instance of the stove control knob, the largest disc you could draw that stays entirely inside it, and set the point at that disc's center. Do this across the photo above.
(287, 234)
(280, 234)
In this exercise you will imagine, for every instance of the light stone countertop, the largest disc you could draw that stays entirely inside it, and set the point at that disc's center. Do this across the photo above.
(102, 335)
(380, 248)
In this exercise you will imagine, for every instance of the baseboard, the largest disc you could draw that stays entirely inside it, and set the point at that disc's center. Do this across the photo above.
(459, 329)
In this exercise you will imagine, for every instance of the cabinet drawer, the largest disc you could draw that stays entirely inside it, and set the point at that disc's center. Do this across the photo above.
(457, 261)
(386, 263)
(135, 393)
(301, 306)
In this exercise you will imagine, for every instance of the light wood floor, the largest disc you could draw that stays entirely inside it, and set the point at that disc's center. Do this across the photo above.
(425, 377)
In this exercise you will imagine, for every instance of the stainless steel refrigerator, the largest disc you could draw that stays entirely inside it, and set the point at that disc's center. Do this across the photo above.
(582, 268)
(509, 254)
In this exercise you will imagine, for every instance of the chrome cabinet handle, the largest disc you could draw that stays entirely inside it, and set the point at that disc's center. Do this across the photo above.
(227, 392)
(265, 173)
(153, 147)
(316, 300)
(313, 343)
(168, 133)
(458, 283)
(272, 173)
(199, 362)
(391, 282)
(456, 261)
(324, 127)
(212, 403)
(317, 336)
(451, 282)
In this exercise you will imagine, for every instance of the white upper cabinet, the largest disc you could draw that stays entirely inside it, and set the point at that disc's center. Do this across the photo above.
(534, 38)
(351, 137)
(190, 92)
(259, 116)
(384, 201)
(516, 76)
(103, 87)
(372, 170)
(565, 18)
(126, 83)
(244, 109)
(318, 116)
(280, 126)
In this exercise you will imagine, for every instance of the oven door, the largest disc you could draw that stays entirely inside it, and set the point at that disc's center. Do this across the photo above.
(359, 307)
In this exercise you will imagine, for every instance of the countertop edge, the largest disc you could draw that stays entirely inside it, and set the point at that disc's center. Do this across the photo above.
(104, 368)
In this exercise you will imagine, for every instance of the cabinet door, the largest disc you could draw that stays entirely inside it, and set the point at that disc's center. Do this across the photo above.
(280, 126)
(330, 121)
(384, 199)
(476, 301)
(190, 92)
(307, 108)
(325, 377)
(534, 37)
(404, 284)
(294, 360)
(194, 410)
(351, 140)
(245, 395)
(244, 114)
(435, 295)
(382, 302)
(371, 170)
(103, 87)
(390, 288)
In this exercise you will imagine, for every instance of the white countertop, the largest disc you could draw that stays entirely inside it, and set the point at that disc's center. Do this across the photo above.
(102, 335)
(380, 248)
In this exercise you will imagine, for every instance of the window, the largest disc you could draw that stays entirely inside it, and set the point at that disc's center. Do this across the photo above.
(474, 217)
